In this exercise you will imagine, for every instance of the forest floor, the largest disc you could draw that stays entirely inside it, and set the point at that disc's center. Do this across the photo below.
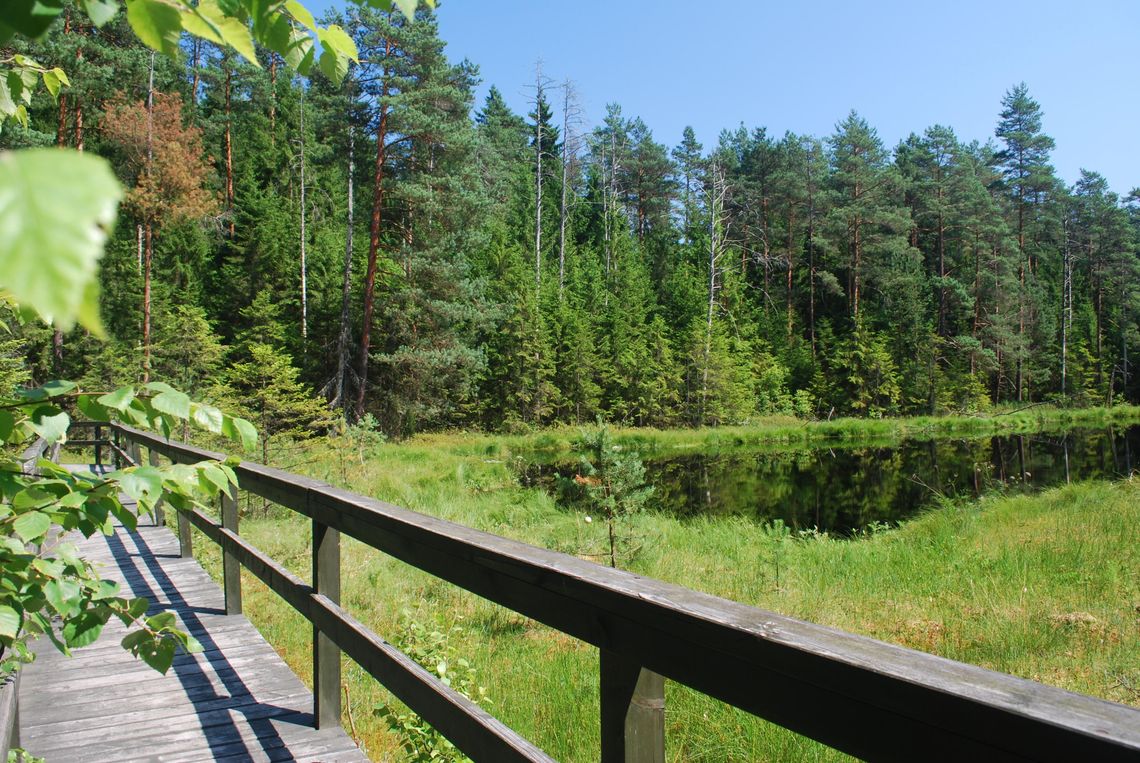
(1043, 586)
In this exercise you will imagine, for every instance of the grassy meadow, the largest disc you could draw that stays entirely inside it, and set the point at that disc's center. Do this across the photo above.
(1042, 586)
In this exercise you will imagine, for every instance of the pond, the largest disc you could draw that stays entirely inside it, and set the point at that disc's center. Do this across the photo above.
(843, 489)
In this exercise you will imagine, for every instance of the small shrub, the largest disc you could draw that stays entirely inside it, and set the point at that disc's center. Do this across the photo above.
(434, 650)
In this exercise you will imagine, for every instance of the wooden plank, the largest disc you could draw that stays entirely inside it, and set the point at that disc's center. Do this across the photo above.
(231, 568)
(159, 511)
(9, 713)
(632, 711)
(326, 654)
(819, 681)
(236, 699)
(471, 728)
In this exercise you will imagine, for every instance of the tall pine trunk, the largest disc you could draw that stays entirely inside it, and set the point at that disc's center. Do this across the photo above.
(148, 254)
(538, 99)
(341, 398)
(229, 149)
(374, 230)
(304, 264)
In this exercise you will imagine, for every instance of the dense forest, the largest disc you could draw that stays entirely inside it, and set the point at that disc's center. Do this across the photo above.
(390, 249)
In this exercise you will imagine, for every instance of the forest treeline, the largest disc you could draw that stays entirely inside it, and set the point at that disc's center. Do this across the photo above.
(390, 248)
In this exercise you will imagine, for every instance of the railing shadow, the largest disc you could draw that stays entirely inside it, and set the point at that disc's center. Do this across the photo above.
(219, 727)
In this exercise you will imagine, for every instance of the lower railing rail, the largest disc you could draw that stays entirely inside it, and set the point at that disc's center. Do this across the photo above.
(865, 697)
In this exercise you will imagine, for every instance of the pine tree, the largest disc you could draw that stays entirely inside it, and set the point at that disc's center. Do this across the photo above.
(1028, 181)
(169, 171)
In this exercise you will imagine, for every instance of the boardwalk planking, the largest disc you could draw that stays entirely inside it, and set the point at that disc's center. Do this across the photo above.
(237, 700)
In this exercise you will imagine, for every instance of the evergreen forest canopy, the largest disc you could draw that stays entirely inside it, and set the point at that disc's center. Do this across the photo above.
(408, 255)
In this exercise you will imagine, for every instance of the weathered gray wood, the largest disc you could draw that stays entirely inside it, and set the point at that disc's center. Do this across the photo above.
(237, 699)
(326, 654)
(821, 682)
(632, 711)
(231, 568)
(159, 511)
(471, 728)
(9, 714)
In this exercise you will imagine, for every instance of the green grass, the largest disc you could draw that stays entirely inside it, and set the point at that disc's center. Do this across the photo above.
(1045, 586)
(788, 431)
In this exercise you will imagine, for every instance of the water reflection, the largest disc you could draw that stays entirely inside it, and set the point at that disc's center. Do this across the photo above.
(841, 490)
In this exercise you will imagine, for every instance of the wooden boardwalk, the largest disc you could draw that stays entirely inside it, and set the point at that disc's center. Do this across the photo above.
(236, 701)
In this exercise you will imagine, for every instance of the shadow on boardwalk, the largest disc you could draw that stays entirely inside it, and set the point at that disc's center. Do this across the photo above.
(237, 700)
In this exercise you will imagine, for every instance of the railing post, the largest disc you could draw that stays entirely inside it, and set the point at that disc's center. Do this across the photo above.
(632, 710)
(231, 568)
(98, 447)
(326, 654)
(159, 512)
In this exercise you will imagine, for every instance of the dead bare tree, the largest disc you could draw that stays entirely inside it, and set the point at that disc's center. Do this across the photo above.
(571, 144)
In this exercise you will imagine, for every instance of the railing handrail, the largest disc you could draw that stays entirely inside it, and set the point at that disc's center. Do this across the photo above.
(865, 697)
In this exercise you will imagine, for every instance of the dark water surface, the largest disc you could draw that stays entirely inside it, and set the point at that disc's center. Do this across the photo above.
(843, 489)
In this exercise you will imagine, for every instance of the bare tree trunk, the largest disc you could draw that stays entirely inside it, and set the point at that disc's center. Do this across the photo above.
(811, 251)
(148, 255)
(791, 244)
(343, 338)
(716, 238)
(374, 232)
(273, 99)
(60, 141)
(1066, 276)
(78, 102)
(304, 268)
(196, 57)
(147, 259)
(229, 150)
(567, 157)
(538, 99)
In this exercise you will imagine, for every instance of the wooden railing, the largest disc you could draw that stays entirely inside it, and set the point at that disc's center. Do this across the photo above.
(868, 698)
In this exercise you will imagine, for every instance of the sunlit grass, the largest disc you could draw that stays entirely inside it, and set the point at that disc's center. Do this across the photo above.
(1045, 586)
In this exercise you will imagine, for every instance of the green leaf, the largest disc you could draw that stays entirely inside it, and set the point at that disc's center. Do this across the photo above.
(157, 24)
(195, 23)
(56, 209)
(191, 644)
(51, 82)
(161, 621)
(63, 596)
(52, 428)
(301, 14)
(9, 622)
(297, 49)
(58, 387)
(31, 18)
(231, 30)
(216, 477)
(159, 654)
(7, 423)
(84, 629)
(333, 66)
(172, 403)
(61, 75)
(143, 483)
(119, 399)
(100, 11)
(335, 38)
(408, 8)
(88, 406)
(31, 526)
(240, 429)
(7, 104)
(207, 416)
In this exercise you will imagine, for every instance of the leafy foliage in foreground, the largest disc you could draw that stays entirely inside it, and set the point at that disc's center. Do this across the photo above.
(434, 650)
(46, 588)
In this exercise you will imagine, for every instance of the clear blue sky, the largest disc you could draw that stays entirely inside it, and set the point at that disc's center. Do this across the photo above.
(802, 66)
